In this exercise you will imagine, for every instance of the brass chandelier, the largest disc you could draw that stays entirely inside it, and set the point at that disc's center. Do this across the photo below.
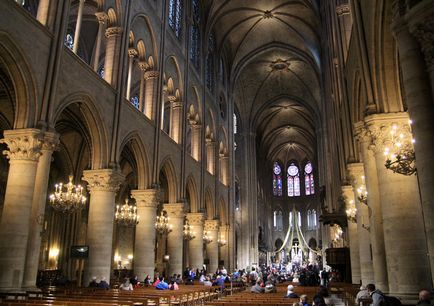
(162, 224)
(68, 198)
(126, 215)
(206, 237)
(188, 233)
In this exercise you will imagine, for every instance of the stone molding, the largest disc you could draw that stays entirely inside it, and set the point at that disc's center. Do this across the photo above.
(343, 9)
(212, 225)
(151, 74)
(146, 197)
(23, 144)
(174, 210)
(103, 180)
(195, 218)
(101, 17)
(113, 31)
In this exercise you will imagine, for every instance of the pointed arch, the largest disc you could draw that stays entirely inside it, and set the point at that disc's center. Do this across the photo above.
(168, 169)
(223, 216)
(209, 204)
(191, 191)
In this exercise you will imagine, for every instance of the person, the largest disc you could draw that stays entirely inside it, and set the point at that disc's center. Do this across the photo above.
(269, 287)
(147, 281)
(103, 284)
(126, 285)
(303, 300)
(93, 283)
(156, 282)
(202, 278)
(253, 276)
(162, 285)
(134, 281)
(361, 295)
(320, 297)
(376, 295)
(290, 292)
(257, 288)
(207, 282)
(173, 285)
(424, 298)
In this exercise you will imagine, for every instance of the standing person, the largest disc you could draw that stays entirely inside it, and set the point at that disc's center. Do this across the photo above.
(424, 298)
(103, 284)
(376, 295)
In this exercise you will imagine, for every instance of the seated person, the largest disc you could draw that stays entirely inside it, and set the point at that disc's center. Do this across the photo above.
(290, 292)
(93, 283)
(303, 300)
(362, 294)
(173, 286)
(162, 285)
(207, 282)
(134, 281)
(257, 288)
(269, 287)
(147, 281)
(103, 284)
(126, 285)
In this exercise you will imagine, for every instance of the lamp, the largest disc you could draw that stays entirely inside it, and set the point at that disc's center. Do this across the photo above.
(400, 156)
(162, 224)
(351, 214)
(126, 215)
(206, 237)
(69, 199)
(362, 193)
(221, 242)
(188, 233)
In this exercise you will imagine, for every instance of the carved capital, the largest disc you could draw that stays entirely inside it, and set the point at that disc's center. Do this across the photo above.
(101, 17)
(151, 74)
(23, 144)
(343, 9)
(146, 197)
(113, 31)
(424, 33)
(361, 133)
(355, 173)
(172, 99)
(348, 195)
(103, 180)
(132, 52)
(143, 66)
(212, 225)
(174, 210)
(195, 218)
(50, 141)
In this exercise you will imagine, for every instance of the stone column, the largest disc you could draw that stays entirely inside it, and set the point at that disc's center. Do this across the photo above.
(375, 212)
(348, 193)
(407, 263)
(175, 118)
(175, 238)
(50, 142)
(43, 10)
(144, 250)
(224, 168)
(102, 19)
(210, 155)
(355, 171)
(151, 78)
(111, 65)
(195, 246)
(195, 140)
(102, 185)
(142, 67)
(78, 26)
(419, 98)
(224, 249)
(24, 150)
(132, 53)
(212, 248)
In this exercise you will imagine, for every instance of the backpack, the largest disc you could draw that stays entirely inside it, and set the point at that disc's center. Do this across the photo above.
(390, 301)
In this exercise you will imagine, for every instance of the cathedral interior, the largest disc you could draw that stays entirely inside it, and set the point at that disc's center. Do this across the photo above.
(155, 135)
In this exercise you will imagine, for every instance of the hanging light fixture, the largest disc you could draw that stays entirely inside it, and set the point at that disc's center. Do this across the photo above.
(68, 198)
(162, 224)
(206, 237)
(222, 242)
(400, 156)
(362, 193)
(126, 215)
(351, 214)
(188, 233)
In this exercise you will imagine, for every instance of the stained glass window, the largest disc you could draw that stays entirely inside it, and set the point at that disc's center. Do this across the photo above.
(314, 222)
(101, 71)
(175, 16)
(293, 181)
(69, 41)
(277, 180)
(195, 34)
(135, 101)
(209, 73)
(309, 221)
(308, 179)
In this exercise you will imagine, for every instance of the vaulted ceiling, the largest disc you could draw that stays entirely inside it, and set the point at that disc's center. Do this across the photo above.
(272, 47)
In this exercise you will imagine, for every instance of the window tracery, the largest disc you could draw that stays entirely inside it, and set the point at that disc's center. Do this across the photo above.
(277, 180)
(175, 16)
(293, 177)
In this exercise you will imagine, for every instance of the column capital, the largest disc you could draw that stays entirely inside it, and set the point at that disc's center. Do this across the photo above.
(50, 141)
(195, 218)
(175, 210)
(146, 197)
(361, 133)
(103, 180)
(355, 171)
(113, 31)
(23, 144)
(343, 9)
(101, 17)
(424, 33)
(151, 74)
(132, 52)
(224, 228)
(348, 195)
(212, 225)
(209, 142)
(143, 66)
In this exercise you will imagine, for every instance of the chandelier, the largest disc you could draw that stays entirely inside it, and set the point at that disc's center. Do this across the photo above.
(188, 233)
(351, 214)
(221, 242)
(362, 193)
(126, 215)
(68, 198)
(162, 225)
(338, 232)
(400, 156)
(206, 237)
